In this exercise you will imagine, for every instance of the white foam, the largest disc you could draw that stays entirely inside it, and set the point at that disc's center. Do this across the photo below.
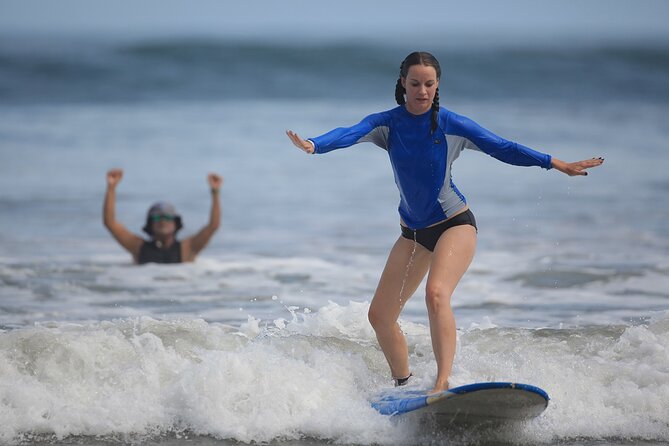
(144, 376)
(603, 381)
(313, 375)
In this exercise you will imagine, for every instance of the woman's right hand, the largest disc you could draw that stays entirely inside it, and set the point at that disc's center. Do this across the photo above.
(215, 181)
(114, 177)
(300, 143)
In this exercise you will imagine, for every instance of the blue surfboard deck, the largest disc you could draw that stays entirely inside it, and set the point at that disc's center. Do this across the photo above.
(491, 401)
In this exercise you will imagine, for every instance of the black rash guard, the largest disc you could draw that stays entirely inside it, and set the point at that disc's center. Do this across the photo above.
(151, 253)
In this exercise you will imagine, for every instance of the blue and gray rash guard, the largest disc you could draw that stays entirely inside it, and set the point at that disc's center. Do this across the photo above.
(421, 160)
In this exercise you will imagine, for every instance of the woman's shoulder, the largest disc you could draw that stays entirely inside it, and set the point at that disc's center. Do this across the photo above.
(384, 117)
(446, 113)
(452, 119)
(391, 112)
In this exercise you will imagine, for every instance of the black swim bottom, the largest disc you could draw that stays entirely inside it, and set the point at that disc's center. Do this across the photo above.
(428, 237)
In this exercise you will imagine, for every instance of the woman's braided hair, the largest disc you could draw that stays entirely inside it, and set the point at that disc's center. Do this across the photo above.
(425, 59)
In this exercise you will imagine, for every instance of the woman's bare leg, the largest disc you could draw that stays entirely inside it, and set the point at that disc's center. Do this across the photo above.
(401, 273)
(450, 260)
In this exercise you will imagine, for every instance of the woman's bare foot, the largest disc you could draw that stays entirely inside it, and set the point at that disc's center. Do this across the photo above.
(439, 387)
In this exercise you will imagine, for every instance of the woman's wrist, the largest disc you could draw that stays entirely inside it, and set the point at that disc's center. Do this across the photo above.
(558, 164)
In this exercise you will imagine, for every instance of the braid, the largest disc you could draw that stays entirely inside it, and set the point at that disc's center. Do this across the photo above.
(399, 92)
(435, 110)
(399, 89)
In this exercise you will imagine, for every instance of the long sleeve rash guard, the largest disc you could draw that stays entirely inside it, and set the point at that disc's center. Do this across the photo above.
(422, 159)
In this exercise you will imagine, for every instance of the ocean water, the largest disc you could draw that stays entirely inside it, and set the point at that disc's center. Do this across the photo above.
(264, 339)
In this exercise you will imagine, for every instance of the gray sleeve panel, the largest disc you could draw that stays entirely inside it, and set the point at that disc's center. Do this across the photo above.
(450, 199)
(378, 136)
(471, 146)
(455, 145)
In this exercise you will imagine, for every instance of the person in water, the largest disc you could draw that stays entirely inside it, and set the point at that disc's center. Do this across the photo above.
(438, 230)
(162, 224)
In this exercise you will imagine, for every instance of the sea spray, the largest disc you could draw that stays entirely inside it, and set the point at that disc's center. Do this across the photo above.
(144, 377)
(315, 378)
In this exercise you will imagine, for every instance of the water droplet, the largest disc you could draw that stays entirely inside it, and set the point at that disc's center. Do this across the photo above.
(409, 264)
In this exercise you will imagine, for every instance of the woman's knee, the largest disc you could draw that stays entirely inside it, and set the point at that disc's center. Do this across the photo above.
(374, 317)
(437, 298)
(379, 319)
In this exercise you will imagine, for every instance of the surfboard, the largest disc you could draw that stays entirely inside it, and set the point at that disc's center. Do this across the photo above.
(479, 402)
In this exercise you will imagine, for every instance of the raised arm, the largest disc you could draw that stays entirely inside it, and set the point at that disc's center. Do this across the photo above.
(193, 245)
(131, 242)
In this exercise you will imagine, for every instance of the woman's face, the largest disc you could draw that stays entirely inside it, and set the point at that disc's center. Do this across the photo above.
(421, 85)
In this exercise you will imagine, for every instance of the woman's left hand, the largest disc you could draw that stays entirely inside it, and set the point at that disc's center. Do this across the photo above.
(578, 167)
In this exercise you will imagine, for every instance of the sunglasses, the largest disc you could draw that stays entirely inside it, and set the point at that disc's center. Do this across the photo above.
(155, 218)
